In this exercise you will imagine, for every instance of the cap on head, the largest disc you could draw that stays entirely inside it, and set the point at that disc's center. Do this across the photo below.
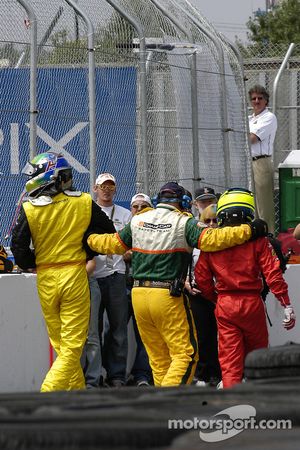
(105, 177)
(172, 191)
(205, 193)
(141, 196)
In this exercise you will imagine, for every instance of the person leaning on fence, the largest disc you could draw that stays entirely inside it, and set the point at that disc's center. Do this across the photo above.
(161, 240)
(232, 279)
(55, 218)
(262, 126)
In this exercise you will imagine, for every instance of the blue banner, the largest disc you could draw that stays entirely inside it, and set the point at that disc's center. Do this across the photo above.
(63, 126)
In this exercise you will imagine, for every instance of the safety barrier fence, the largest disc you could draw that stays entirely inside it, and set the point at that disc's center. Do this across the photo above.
(143, 89)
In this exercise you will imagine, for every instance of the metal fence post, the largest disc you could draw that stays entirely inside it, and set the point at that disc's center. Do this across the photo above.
(92, 90)
(248, 148)
(278, 76)
(194, 100)
(143, 88)
(194, 93)
(33, 75)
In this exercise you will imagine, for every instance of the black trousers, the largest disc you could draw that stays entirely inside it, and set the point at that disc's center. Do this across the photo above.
(208, 366)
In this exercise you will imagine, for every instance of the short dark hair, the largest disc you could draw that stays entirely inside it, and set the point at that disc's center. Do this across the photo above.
(259, 89)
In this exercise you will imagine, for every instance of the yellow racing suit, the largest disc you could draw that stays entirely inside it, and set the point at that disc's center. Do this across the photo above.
(56, 229)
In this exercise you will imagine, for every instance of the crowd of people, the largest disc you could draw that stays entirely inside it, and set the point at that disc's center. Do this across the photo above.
(190, 283)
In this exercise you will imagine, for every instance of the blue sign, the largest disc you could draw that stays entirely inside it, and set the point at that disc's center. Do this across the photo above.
(63, 126)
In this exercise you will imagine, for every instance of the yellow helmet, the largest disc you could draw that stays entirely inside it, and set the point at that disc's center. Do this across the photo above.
(235, 206)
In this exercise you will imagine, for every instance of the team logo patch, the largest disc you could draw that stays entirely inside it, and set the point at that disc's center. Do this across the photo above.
(152, 226)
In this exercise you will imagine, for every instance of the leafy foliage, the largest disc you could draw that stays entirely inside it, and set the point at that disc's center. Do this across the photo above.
(271, 33)
(114, 42)
(64, 51)
(282, 25)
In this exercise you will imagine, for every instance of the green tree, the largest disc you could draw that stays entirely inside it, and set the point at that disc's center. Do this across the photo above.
(64, 51)
(279, 26)
(113, 42)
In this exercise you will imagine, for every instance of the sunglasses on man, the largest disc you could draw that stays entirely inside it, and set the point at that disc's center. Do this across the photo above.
(106, 187)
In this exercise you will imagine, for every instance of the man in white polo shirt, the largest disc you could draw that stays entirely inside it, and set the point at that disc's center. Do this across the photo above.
(263, 126)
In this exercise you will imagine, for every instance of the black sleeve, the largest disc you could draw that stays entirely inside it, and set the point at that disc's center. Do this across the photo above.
(20, 243)
(99, 224)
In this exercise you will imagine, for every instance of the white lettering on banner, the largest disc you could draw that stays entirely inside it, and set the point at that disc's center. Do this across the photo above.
(55, 146)
(14, 148)
(59, 145)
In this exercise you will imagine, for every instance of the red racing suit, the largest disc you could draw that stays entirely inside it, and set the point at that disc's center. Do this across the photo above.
(232, 277)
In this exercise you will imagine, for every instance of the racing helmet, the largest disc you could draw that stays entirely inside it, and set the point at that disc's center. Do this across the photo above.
(45, 170)
(235, 206)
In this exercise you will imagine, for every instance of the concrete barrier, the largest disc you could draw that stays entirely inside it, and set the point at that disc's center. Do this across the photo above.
(278, 335)
(24, 345)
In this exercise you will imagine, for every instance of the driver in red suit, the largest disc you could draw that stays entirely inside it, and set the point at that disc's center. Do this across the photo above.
(232, 278)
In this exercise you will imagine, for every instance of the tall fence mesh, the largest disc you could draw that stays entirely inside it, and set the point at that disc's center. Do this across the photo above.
(196, 124)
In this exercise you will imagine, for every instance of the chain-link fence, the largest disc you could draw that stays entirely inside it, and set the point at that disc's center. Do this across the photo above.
(166, 100)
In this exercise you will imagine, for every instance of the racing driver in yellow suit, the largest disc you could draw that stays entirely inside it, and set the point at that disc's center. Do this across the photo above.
(55, 218)
(161, 240)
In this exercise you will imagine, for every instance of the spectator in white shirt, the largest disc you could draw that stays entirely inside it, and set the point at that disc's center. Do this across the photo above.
(110, 275)
(263, 126)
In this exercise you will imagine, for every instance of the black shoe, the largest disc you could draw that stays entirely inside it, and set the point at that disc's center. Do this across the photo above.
(91, 386)
(130, 381)
(142, 383)
(214, 381)
(115, 383)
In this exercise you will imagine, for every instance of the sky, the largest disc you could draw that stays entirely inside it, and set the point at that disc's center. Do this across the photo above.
(229, 16)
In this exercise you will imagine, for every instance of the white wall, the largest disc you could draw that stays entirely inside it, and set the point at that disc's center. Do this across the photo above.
(24, 345)
(278, 335)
